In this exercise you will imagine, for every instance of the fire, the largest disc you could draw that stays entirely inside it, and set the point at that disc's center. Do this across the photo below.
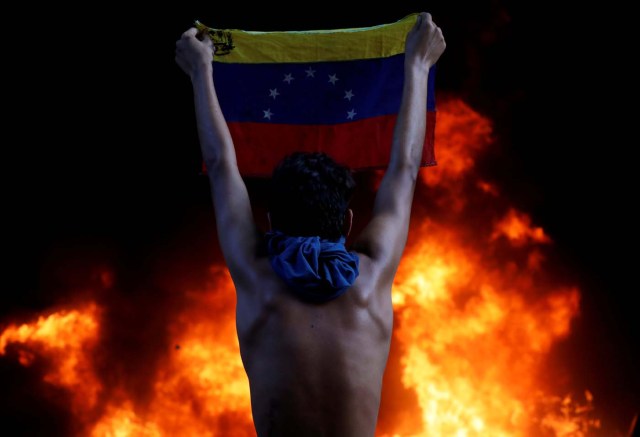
(203, 389)
(63, 339)
(123, 422)
(476, 315)
(517, 228)
(475, 338)
(461, 134)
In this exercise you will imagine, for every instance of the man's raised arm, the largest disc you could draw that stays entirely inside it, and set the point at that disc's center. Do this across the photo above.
(237, 232)
(385, 237)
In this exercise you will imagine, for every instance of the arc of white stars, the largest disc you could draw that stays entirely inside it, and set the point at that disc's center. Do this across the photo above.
(310, 72)
(288, 78)
(267, 114)
(351, 114)
(348, 95)
(333, 78)
(273, 93)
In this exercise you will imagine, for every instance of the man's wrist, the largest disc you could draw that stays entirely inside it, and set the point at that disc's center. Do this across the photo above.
(203, 70)
(418, 69)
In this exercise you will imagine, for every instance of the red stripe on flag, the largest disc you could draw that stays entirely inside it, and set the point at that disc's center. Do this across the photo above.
(363, 144)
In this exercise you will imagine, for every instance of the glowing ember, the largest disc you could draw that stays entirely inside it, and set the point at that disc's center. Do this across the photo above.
(517, 228)
(488, 187)
(475, 319)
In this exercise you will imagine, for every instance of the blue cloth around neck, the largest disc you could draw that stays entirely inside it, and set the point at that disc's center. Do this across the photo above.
(317, 270)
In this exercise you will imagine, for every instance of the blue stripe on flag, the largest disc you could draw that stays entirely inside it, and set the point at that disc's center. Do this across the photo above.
(312, 93)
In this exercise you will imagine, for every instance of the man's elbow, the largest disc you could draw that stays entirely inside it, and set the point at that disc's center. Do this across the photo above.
(219, 164)
(405, 168)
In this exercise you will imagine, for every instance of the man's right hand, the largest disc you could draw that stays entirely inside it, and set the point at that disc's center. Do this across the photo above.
(424, 43)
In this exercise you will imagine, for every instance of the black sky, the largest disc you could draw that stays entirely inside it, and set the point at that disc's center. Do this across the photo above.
(101, 157)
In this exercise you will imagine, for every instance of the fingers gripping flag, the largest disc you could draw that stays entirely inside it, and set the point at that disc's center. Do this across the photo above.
(334, 91)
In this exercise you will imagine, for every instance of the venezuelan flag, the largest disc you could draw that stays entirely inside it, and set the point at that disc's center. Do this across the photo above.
(336, 91)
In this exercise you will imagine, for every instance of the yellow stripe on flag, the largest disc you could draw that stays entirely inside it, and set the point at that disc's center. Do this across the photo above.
(241, 46)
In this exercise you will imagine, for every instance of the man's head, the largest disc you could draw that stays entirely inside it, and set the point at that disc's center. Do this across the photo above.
(310, 195)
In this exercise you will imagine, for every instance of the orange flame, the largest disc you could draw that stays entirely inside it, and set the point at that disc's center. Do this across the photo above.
(517, 228)
(64, 339)
(461, 135)
(475, 341)
(202, 388)
(473, 330)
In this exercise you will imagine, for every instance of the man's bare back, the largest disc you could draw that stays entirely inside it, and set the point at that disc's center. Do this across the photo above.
(315, 369)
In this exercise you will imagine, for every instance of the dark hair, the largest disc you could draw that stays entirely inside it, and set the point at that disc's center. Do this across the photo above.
(309, 196)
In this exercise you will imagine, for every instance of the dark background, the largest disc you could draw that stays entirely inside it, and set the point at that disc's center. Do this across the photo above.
(101, 161)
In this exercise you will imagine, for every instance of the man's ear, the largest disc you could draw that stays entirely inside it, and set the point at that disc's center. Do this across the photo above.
(348, 222)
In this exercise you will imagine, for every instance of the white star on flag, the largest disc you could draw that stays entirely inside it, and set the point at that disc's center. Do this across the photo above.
(275, 93)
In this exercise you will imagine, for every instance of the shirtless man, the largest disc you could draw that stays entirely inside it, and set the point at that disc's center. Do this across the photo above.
(314, 364)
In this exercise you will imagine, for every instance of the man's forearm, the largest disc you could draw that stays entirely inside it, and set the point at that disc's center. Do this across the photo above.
(215, 139)
(408, 137)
